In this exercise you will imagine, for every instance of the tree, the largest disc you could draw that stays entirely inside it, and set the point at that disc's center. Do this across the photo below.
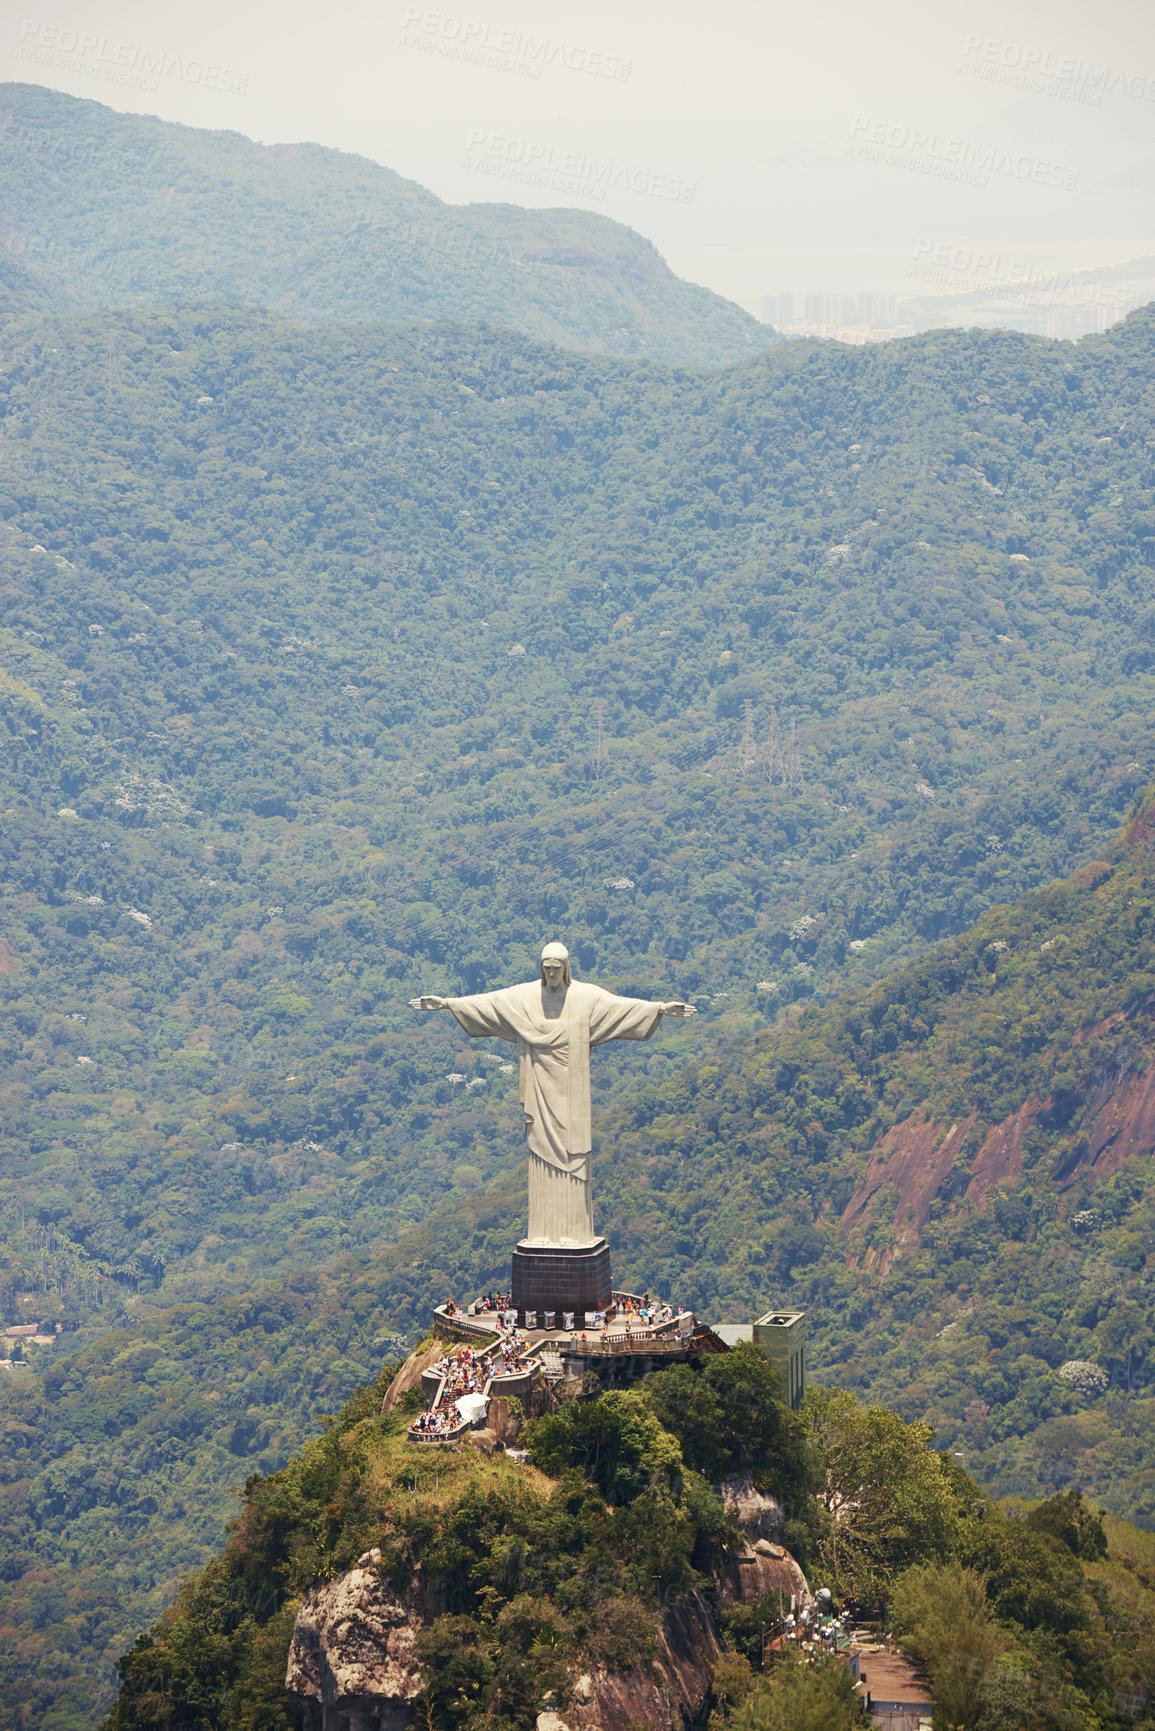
(939, 1612)
(887, 1495)
(1068, 1519)
(800, 1697)
(729, 1417)
(616, 1441)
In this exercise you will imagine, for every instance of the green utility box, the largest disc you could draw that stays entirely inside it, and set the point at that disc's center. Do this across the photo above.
(781, 1336)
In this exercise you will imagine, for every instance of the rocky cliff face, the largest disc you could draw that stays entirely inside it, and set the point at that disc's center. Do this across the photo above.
(670, 1693)
(353, 1663)
(352, 1660)
(919, 1162)
(760, 1516)
(409, 1376)
(764, 1567)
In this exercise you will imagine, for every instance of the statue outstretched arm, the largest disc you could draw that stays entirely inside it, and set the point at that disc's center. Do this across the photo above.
(614, 1018)
(483, 1015)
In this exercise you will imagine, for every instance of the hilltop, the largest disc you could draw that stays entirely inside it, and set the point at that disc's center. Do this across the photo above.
(626, 1577)
(103, 209)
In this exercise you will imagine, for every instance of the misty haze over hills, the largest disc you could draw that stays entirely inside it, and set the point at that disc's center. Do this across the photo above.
(104, 209)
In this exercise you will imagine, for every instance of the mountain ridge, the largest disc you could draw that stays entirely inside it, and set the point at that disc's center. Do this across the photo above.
(294, 619)
(322, 235)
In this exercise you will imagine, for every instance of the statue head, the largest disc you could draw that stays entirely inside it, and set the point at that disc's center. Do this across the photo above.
(555, 969)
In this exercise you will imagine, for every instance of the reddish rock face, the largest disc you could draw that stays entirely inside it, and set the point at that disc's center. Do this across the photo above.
(1139, 837)
(1119, 1121)
(673, 1689)
(918, 1158)
(764, 1567)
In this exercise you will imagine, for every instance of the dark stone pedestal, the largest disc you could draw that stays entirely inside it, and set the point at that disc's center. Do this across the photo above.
(561, 1277)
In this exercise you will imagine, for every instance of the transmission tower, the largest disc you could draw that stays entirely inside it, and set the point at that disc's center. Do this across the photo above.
(795, 780)
(775, 769)
(600, 748)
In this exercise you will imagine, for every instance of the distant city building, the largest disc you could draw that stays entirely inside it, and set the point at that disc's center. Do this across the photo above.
(823, 309)
(777, 309)
(834, 311)
(1080, 321)
(875, 309)
(1071, 322)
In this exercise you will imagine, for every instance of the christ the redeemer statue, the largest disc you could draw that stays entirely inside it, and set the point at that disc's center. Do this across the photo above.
(553, 1022)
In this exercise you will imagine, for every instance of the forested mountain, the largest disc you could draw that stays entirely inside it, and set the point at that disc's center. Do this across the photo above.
(339, 663)
(101, 209)
(1013, 1319)
(603, 1579)
(310, 639)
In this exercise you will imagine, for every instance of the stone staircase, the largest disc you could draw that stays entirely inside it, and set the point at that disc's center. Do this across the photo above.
(552, 1367)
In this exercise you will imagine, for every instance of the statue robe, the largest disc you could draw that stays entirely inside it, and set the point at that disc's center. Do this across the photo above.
(554, 1087)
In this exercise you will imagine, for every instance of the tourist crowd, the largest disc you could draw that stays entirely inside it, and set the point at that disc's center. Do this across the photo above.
(640, 1310)
(437, 1421)
(510, 1355)
(465, 1372)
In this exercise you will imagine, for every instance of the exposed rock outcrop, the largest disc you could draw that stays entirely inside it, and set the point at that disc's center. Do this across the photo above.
(352, 1659)
(487, 1441)
(671, 1693)
(918, 1162)
(353, 1666)
(759, 1515)
(409, 1376)
(764, 1567)
(504, 1421)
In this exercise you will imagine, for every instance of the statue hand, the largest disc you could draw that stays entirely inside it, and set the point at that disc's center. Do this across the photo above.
(679, 1010)
(429, 1003)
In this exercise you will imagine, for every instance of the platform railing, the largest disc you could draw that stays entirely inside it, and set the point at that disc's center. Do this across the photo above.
(641, 1345)
(459, 1323)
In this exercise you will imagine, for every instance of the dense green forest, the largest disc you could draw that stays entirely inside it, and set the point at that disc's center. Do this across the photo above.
(111, 210)
(338, 663)
(716, 1186)
(411, 647)
(546, 1572)
(345, 663)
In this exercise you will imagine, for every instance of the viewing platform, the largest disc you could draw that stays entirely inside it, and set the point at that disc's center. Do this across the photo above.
(489, 1356)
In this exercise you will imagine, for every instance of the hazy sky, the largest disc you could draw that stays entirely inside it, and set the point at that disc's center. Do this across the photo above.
(761, 147)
